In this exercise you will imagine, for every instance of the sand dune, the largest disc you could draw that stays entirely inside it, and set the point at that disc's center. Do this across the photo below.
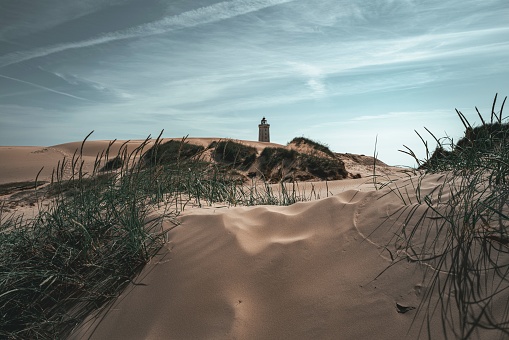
(23, 163)
(307, 271)
(323, 269)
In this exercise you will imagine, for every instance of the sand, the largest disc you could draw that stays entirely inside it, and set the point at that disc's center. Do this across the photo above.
(314, 270)
(307, 271)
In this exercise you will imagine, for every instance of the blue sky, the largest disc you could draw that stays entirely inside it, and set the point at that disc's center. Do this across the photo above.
(340, 72)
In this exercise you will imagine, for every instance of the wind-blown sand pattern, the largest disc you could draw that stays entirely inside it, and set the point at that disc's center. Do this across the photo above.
(330, 268)
(307, 271)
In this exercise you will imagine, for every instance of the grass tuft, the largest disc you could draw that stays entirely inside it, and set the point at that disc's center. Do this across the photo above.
(78, 253)
(101, 228)
(465, 222)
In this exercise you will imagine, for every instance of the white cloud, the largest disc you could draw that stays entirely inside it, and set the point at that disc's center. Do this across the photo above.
(76, 80)
(317, 87)
(315, 77)
(389, 115)
(204, 15)
(43, 87)
(39, 17)
(326, 57)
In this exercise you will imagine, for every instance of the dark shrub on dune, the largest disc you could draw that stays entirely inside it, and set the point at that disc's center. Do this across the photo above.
(315, 145)
(324, 168)
(272, 157)
(485, 137)
(471, 150)
(280, 163)
(171, 152)
(488, 141)
(233, 153)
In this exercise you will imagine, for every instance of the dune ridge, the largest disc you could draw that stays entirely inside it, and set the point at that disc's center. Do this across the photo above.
(23, 163)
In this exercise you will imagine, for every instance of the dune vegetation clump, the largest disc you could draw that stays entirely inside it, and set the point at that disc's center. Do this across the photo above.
(171, 152)
(78, 253)
(298, 141)
(6, 189)
(235, 154)
(282, 164)
(326, 168)
(112, 164)
(480, 146)
(271, 157)
(274, 163)
(465, 220)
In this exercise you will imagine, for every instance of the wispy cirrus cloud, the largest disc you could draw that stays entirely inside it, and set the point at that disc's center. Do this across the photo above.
(38, 16)
(315, 77)
(43, 87)
(75, 80)
(200, 16)
(356, 68)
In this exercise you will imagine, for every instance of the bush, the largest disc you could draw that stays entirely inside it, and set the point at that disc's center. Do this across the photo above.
(171, 152)
(272, 157)
(286, 161)
(315, 145)
(324, 168)
(479, 144)
(235, 154)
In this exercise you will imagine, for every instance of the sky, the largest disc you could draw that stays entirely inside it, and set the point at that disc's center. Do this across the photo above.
(360, 76)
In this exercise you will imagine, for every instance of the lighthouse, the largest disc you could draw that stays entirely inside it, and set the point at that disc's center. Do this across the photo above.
(263, 131)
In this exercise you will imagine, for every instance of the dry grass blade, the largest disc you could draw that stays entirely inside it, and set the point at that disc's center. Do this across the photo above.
(98, 232)
(465, 223)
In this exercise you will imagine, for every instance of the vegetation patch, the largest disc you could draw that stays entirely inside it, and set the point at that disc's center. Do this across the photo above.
(466, 223)
(274, 161)
(324, 168)
(234, 154)
(171, 152)
(76, 186)
(478, 145)
(315, 145)
(286, 164)
(78, 253)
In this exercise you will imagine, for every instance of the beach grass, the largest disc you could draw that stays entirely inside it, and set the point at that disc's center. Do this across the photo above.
(465, 222)
(101, 227)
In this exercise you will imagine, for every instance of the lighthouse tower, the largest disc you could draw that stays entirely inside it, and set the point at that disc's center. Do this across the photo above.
(263, 131)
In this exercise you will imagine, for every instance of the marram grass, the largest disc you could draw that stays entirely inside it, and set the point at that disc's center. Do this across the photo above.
(100, 230)
(460, 230)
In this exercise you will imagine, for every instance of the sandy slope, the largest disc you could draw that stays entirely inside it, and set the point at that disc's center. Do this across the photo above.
(22, 163)
(307, 271)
